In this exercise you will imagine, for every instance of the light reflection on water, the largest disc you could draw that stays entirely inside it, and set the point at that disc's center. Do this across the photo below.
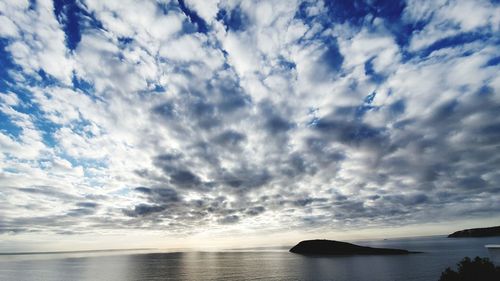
(252, 265)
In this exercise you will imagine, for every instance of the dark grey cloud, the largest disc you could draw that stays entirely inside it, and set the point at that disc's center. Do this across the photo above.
(165, 110)
(165, 204)
(83, 209)
(254, 211)
(144, 210)
(185, 178)
(275, 122)
(89, 205)
(245, 178)
(307, 201)
(78, 212)
(174, 167)
(229, 219)
(50, 192)
(160, 194)
(352, 132)
(229, 138)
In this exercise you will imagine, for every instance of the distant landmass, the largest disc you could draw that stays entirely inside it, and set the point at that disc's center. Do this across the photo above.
(331, 247)
(476, 232)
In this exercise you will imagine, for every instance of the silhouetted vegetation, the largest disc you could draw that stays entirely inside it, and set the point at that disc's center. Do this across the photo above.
(472, 270)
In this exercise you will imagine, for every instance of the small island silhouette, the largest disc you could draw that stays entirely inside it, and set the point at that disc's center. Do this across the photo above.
(331, 247)
(476, 232)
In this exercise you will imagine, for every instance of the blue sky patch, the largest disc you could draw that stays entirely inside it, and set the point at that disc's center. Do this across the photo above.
(193, 17)
(332, 56)
(8, 127)
(6, 65)
(234, 20)
(68, 14)
(452, 41)
(370, 71)
(356, 10)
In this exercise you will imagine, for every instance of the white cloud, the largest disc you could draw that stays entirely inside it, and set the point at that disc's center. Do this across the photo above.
(450, 18)
(9, 29)
(205, 9)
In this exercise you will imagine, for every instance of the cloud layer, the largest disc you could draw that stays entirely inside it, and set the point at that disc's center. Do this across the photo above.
(194, 116)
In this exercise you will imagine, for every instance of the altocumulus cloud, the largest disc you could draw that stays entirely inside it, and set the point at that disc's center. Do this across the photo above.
(186, 116)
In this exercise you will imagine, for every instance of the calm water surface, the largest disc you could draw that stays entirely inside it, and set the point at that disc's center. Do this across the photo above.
(261, 264)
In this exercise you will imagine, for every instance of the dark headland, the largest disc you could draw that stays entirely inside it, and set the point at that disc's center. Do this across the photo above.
(331, 247)
(477, 232)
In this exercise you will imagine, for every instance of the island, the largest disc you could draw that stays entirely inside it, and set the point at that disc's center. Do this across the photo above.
(476, 232)
(331, 247)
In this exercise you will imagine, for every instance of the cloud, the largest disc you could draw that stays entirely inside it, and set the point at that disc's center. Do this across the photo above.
(211, 116)
(229, 219)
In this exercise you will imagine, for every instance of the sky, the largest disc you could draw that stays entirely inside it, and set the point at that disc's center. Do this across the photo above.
(225, 123)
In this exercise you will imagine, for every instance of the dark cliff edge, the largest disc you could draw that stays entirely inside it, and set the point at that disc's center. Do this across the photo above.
(331, 247)
(476, 232)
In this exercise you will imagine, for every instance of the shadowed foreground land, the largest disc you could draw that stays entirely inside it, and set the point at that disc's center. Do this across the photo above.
(471, 270)
(331, 247)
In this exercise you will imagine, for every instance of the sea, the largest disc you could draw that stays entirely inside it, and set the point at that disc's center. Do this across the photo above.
(270, 263)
